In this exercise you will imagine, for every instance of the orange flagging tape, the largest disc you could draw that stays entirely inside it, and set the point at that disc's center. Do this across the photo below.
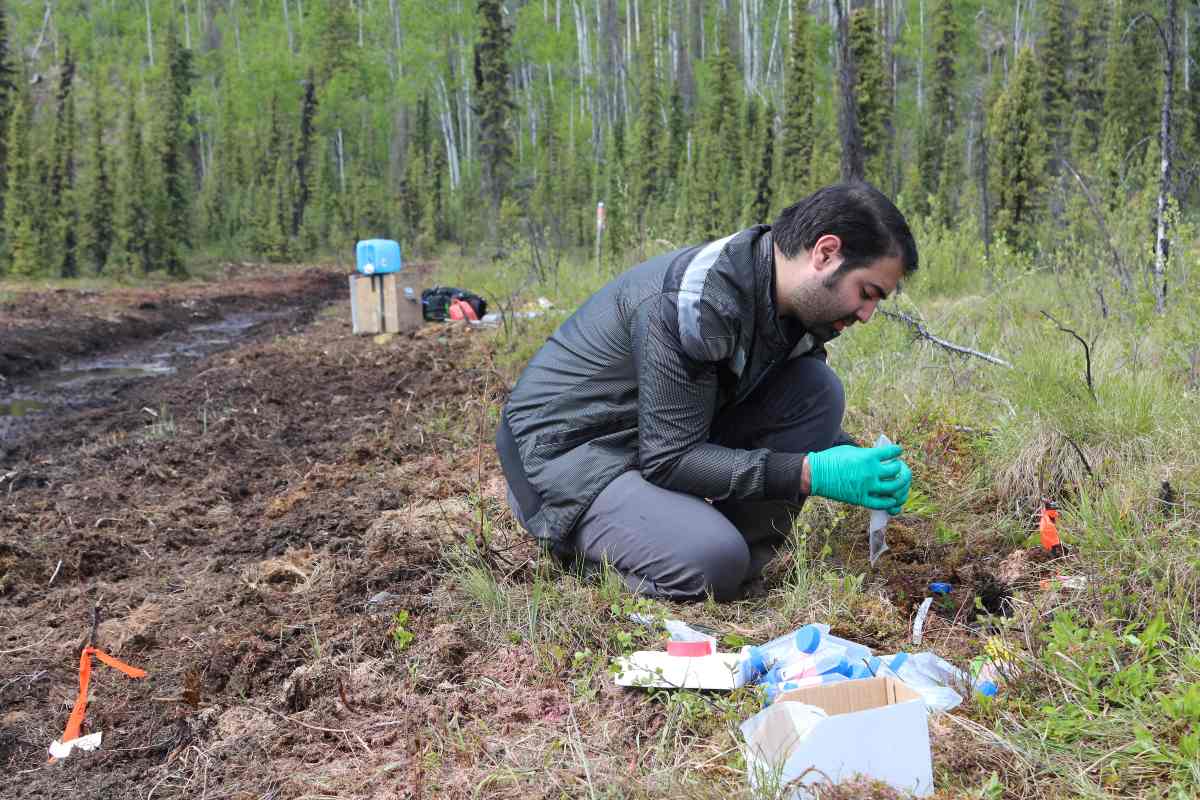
(1048, 529)
(75, 721)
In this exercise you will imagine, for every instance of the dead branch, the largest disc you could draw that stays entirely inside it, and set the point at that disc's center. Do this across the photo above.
(1123, 271)
(922, 333)
(1087, 351)
(1082, 457)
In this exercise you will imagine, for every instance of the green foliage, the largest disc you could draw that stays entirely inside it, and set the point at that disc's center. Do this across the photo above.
(1054, 58)
(96, 235)
(874, 100)
(938, 159)
(401, 636)
(495, 105)
(1018, 156)
(798, 129)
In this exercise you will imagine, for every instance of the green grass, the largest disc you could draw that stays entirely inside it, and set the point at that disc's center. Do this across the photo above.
(1105, 701)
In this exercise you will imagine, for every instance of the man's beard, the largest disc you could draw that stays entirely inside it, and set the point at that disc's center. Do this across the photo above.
(815, 305)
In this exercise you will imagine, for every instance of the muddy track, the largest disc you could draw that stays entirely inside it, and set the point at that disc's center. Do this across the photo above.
(230, 541)
(40, 330)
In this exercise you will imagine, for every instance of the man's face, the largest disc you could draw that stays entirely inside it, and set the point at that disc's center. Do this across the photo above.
(827, 301)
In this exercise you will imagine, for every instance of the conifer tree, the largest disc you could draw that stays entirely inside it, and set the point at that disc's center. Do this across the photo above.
(304, 143)
(871, 89)
(648, 171)
(20, 238)
(62, 220)
(1130, 92)
(495, 107)
(131, 251)
(677, 132)
(172, 231)
(1087, 93)
(760, 185)
(938, 167)
(1054, 59)
(97, 231)
(798, 130)
(1018, 155)
(8, 98)
(616, 193)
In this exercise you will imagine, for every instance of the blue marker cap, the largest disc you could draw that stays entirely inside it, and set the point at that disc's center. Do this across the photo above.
(939, 587)
(808, 639)
(986, 688)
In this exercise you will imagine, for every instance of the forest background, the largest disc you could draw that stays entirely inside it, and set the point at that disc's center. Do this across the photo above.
(147, 136)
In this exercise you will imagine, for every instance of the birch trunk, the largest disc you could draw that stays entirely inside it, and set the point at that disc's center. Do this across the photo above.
(1162, 234)
(149, 32)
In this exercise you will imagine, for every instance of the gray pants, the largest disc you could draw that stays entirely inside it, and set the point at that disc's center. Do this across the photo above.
(674, 545)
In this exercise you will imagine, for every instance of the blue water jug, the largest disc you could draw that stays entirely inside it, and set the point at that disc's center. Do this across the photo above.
(378, 256)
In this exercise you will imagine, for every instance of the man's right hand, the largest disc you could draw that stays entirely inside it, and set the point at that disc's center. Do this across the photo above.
(874, 477)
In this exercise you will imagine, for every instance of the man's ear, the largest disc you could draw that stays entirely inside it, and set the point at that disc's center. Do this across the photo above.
(827, 253)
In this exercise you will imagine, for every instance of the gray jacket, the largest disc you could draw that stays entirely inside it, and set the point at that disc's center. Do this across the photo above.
(635, 377)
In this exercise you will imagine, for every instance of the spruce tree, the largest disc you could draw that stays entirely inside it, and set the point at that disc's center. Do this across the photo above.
(173, 231)
(871, 90)
(131, 252)
(616, 193)
(304, 144)
(8, 98)
(648, 171)
(1088, 51)
(1054, 59)
(1018, 155)
(760, 185)
(495, 106)
(798, 131)
(938, 167)
(677, 132)
(1131, 86)
(20, 239)
(96, 234)
(61, 243)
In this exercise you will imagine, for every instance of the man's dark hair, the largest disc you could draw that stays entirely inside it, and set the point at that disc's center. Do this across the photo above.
(868, 224)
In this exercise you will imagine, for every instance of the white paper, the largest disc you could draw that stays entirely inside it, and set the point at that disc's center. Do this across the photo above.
(657, 668)
(63, 749)
(879, 519)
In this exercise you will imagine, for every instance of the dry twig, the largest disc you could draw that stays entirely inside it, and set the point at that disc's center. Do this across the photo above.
(922, 333)
(1087, 355)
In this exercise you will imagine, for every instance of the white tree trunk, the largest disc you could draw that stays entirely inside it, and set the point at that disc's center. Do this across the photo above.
(149, 31)
(287, 23)
(1162, 234)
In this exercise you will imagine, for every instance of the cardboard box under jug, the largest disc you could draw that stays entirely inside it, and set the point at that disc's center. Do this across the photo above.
(383, 304)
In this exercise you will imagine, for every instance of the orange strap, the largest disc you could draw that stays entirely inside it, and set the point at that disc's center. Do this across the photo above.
(1048, 529)
(75, 721)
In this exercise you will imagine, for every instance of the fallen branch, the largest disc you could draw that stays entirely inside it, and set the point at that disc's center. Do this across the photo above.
(1087, 351)
(922, 333)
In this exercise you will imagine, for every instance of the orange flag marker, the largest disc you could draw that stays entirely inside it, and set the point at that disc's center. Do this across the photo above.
(1048, 528)
(75, 721)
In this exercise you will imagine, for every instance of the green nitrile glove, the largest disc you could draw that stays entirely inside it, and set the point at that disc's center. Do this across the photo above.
(875, 477)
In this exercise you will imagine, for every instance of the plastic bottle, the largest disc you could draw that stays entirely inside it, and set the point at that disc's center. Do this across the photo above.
(758, 660)
(826, 659)
(926, 674)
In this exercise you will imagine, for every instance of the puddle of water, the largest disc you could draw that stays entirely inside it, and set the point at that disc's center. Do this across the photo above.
(21, 408)
(66, 377)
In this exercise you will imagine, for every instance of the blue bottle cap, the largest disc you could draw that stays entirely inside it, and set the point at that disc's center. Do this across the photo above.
(858, 671)
(842, 668)
(753, 666)
(939, 587)
(986, 688)
(808, 639)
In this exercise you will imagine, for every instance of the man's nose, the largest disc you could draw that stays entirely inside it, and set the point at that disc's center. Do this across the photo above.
(866, 310)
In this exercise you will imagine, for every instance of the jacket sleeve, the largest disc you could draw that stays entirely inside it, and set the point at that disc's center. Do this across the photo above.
(677, 400)
(842, 437)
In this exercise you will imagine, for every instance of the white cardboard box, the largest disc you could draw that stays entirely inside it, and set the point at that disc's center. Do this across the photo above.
(876, 727)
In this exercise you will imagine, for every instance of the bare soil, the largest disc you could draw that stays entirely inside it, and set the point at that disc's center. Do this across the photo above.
(263, 542)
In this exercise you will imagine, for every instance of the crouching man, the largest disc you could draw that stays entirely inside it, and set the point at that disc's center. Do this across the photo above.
(673, 422)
